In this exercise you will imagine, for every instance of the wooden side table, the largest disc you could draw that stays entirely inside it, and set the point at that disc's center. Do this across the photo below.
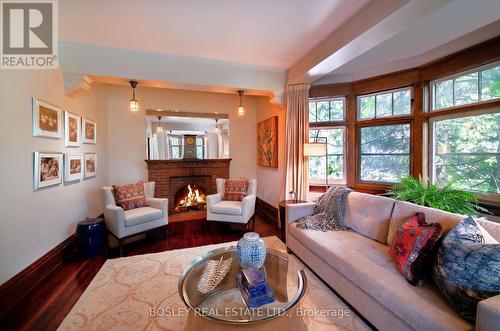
(282, 215)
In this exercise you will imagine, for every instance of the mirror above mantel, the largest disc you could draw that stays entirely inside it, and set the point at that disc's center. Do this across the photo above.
(173, 135)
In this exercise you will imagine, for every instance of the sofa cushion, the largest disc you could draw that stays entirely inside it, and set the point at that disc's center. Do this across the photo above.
(369, 215)
(130, 196)
(235, 189)
(492, 228)
(467, 270)
(141, 215)
(404, 210)
(227, 207)
(413, 246)
(368, 265)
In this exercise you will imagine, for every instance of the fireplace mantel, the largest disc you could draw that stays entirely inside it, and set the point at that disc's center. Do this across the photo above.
(171, 175)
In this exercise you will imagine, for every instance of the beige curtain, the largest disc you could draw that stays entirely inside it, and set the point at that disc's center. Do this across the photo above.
(296, 132)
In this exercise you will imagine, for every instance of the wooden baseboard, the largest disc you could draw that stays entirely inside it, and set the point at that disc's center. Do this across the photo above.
(266, 210)
(12, 291)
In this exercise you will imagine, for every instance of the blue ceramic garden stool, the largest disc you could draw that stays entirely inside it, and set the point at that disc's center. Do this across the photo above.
(91, 237)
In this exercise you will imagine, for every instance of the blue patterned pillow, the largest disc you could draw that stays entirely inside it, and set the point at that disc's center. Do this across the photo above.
(466, 269)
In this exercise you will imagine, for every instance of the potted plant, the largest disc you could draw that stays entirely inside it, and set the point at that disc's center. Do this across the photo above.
(430, 195)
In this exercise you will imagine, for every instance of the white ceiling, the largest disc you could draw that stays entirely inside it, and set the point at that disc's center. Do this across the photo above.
(264, 33)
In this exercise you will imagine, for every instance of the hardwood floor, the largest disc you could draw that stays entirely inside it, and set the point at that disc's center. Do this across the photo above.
(45, 307)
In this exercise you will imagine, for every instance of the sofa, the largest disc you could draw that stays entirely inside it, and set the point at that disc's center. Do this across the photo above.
(357, 265)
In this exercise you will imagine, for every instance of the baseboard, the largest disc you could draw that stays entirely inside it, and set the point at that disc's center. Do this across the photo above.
(266, 210)
(16, 288)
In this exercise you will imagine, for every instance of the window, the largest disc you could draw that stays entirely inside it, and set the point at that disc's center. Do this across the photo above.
(478, 85)
(326, 110)
(385, 153)
(175, 146)
(385, 104)
(335, 150)
(466, 151)
(200, 147)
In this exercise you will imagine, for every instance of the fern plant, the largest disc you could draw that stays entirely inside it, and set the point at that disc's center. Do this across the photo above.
(430, 195)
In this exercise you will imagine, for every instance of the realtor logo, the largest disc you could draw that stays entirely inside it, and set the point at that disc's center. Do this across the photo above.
(29, 34)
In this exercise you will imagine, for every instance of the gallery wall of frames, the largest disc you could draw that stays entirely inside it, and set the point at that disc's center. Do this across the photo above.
(53, 167)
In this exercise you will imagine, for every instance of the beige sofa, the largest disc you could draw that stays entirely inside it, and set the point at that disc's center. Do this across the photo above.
(357, 266)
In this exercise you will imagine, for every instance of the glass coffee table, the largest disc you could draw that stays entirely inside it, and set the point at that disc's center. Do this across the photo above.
(225, 303)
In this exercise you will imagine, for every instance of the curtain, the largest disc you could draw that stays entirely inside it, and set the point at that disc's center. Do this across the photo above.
(296, 133)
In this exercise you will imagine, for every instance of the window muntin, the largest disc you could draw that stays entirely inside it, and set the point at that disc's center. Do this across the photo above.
(326, 110)
(466, 152)
(468, 87)
(385, 104)
(384, 153)
(335, 151)
(175, 146)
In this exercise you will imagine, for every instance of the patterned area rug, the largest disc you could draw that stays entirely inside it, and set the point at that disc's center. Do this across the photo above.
(124, 291)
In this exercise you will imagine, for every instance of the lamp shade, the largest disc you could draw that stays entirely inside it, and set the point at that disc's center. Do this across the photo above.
(314, 149)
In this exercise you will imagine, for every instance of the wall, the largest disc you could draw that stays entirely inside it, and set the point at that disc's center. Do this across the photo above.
(127, 130)
(270, 180)
(34, 222)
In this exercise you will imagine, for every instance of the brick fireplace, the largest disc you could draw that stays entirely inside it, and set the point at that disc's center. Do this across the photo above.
(172, 175)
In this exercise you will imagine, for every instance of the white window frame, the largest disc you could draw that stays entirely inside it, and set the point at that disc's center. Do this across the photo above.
(432, 145)
(320, 99)
(331, 181)
(477, 70)
(358, 103)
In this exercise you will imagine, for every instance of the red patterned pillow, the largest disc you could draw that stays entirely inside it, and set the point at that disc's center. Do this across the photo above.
(235, 189)
(413, 246)
(130, 196)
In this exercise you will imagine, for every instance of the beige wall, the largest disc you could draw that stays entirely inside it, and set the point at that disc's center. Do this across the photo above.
(127, 131)
(270, 179)
(33, 222)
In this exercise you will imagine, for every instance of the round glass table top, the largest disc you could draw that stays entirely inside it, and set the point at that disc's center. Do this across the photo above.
(225, 302)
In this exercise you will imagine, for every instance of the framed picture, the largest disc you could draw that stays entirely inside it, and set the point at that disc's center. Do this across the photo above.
(267, 142)
(47, 169)
(90, 165)
(89, 131)
(47, 120)
(73, 167)
(73, 125)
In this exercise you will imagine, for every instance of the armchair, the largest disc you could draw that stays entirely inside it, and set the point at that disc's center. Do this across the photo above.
(241, 212)
(126, 223)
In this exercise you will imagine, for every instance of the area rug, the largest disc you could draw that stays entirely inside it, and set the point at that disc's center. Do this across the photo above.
(126, 291)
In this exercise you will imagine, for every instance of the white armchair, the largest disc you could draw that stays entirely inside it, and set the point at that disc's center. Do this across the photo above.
(126, 223)
(219, 210)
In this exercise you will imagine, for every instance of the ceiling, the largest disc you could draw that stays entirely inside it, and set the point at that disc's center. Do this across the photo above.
(262, 33)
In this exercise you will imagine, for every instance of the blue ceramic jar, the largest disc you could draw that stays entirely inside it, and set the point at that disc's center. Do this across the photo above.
(251, 250)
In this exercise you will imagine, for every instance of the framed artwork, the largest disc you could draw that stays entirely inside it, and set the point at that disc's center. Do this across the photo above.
(47, 169)
(267, 143)
(90, 165)
(73, 125)
(73, 167)
(89, 131)
(47, 120)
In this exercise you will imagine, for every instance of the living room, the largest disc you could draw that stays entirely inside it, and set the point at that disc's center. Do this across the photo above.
(298, 165)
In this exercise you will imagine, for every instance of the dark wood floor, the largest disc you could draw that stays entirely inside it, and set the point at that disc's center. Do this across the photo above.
(45, 307)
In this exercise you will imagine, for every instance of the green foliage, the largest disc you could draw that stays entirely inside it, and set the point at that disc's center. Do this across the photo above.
(445, 198)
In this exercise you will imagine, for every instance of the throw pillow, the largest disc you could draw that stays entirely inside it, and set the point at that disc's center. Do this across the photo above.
(130, 196)
(413, 246)
(467, 269)
(235, 189)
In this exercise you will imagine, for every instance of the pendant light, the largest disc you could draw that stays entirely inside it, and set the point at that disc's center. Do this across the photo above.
(241, 109)
(159, 129)
(134, 104)
(216, 125)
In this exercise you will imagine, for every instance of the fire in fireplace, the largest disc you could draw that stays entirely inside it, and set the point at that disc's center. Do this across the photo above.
(190, 197)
